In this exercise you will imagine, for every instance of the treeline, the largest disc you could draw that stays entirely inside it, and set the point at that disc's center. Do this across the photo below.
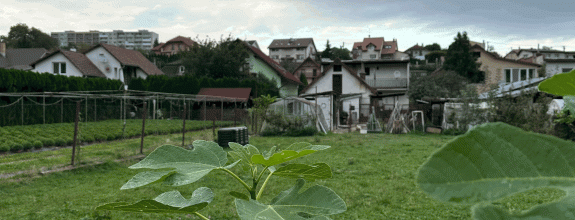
(191, 85)
(28, 81)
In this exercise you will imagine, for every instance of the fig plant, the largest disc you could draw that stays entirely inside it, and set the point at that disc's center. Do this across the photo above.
(177, 166)
(496, 160)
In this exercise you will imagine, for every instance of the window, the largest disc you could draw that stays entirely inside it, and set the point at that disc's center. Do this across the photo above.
(300, 57)
(373, 56)
(173, 47)
(182, 68)
(531, 73)
(274, 50)
(566, 70)
(103, 58)
(387, 47)
(314, 72)
(337, 68)
(116, 72)
(367, 71)
(275, 57)
(523, 74)
(288, 56)
(59, 68)
(476, 54)
(507, 75)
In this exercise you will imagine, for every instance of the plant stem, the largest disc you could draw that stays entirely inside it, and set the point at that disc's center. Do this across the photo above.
(263, 186)
(237, 178)
(201, 216)
(261, 174)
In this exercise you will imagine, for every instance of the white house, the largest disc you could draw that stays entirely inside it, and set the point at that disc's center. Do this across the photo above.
(556, 66)
(292, 49)
(102, 60)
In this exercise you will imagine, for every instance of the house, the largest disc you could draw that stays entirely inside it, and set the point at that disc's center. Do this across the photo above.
(540, 55)
(259, 63)
(555, 66)
(19, 58)
(295, 50)
(111, 62)
(175, 68)
(174, 46)
(499, 71)
(67, 63)
(309, 68)
(417, 52)
(377, 49)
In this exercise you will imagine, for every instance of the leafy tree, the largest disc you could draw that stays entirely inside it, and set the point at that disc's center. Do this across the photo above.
(156, 43)
(327, 52)
(217, 59)
(460, 59)
(433, 47)
(435, 55)
(446, 85)
(341, 53)
(20, 36)
(303, 80)
(289, 65)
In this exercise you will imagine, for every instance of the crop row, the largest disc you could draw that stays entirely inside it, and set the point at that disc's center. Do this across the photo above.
(17, 138)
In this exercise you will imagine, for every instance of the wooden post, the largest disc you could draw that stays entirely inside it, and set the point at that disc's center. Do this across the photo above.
(22, 112)
(77, 118)
(44, 108)
(214, 122)
(222, 113)
(95, 110)
(184, 126)
(235, 110)
(144, 113)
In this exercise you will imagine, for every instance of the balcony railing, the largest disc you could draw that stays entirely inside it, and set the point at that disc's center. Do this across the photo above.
(387, 83)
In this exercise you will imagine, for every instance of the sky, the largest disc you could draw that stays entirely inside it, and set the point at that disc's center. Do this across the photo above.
(503, 24)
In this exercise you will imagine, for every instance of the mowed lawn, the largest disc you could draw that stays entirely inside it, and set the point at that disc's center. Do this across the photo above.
(373, 173)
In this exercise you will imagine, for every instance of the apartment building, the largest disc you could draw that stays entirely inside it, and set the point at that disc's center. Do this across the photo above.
(141, 39)
(294, 49)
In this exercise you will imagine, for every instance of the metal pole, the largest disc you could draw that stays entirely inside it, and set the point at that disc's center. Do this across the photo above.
(86, 115)
(184, 126)
(75, 130)
(235, 109)
(44, 109)
(222, 113)
(62, 110)
(170, 109)
(214, 122)
(144, 111)
(22, 112)
(205, 109)
(95, 110)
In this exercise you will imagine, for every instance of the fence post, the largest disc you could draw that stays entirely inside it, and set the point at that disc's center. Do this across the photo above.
(144, 113)
(95, 110)
(44, 108)
(184, 126)
(214, 122)
(222, 113)
(76, 119)
(235, 109)
(86, 116)
(62, 110)
(22, 112)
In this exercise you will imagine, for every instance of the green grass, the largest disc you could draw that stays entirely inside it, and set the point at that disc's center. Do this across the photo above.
(374, 174)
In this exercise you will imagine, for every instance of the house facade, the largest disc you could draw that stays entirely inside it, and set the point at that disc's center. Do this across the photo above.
(294, 49)
(417, 52)
(499, 71)
(67, 63)
(259, 63)
(309, 68)
(556, 66)
(377, 49)
(174, 46)
(19, 58)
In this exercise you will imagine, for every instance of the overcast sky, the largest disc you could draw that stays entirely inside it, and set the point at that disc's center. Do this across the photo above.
(505, 24)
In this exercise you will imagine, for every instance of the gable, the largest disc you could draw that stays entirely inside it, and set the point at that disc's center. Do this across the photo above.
(351, 84)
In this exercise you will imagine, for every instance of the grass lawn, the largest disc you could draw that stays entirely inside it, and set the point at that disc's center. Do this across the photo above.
(373, 173)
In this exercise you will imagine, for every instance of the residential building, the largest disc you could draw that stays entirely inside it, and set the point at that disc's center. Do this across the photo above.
(417, 52)
(19, 58)
(556, 66)
(175, 68)
(102, 60)
(377, 49)
(174, 46)
(555, 61)
(141, 39)
(296, 50)
(310, 68)
(259, 63)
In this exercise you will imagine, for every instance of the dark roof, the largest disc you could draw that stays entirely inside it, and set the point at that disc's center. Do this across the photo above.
(270, 62)
(337, 61)
(158, 47)
(291, 43)
(172, 68)
(308, 59)
(240, 93)
(416, 47)
(479, 47)
(559, 60)
(186, 40)
(80, 61)
(130, 58)
(21, 57)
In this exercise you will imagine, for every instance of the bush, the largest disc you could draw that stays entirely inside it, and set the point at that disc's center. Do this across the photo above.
(100, 137)
(59, 141)
(49, 142)
(16, 147)
(4, 147)
(307, 131)
(453, 132)
(37, 144)
(27, 145)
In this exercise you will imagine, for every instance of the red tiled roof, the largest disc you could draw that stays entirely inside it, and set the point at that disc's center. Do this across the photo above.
(415, 47)
(158, 47)
(239, 93)
(130, 58)
(276, 66)
(377, 42)
(290, 43)
(391, 50)
(80, 61)
(186, 40)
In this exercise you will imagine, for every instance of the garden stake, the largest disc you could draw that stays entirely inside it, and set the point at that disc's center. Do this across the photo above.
(75, 130)
(143, 128)
(184, 127)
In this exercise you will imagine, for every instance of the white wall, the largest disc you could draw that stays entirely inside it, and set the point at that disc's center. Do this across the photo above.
(366, 55)
(94, 56)
(555, 68)
(350, 85)
(46, 66)
(385, 71)
(141, 74)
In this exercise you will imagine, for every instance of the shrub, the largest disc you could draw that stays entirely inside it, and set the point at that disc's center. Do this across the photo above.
(307, 131)
(49, 142)
(453, 132)
(37, 144)
(16, 147)
(59, 141)
(27, 145)
(100, 137)
(4, 147)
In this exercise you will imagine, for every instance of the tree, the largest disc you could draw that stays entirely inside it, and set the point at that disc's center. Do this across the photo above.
(289, 65)
(214, 59)
(341, 53)
(327, 52)
(156, 43)
(442, 85)
(20, 36)
(435, 55)
(460, 59)
(303, 80)
(433, 47)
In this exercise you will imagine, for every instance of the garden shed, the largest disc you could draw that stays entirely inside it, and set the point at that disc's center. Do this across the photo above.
(300, 107)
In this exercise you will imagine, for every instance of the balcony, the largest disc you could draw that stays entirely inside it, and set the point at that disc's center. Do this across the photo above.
(387, 83)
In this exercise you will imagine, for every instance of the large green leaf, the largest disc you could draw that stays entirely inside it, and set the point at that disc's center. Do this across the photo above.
(315, 203)
(560, 84)
(243, 153)
(307, 172)
(496, 160)
(168, 202)
(294, 151)
(179, 166)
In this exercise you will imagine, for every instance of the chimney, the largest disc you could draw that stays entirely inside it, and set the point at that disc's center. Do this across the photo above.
(3, 49)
